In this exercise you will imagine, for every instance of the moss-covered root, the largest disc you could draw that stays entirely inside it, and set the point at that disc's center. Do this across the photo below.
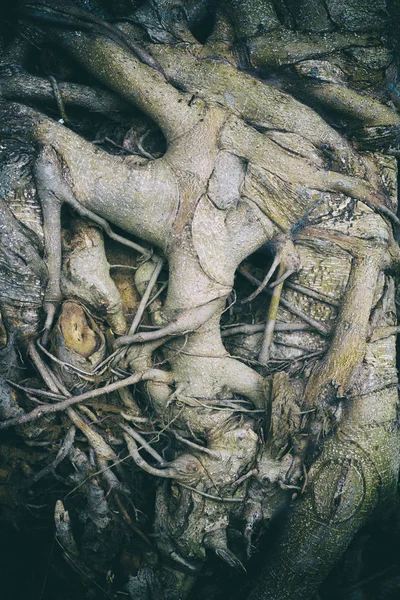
(344, 488)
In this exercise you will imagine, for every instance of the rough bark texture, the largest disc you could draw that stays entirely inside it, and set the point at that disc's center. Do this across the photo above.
(145, 347)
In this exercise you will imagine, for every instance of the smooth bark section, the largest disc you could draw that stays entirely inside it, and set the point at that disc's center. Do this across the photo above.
(142, 200)
(138, 83)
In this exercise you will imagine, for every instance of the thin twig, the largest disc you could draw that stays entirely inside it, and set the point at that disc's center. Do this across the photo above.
(160, 291)
(88, 214)
(312, 294)
(130, 523)
(264, 282)
(35, 392)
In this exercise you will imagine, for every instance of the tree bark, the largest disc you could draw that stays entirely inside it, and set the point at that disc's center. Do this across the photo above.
(198, 304)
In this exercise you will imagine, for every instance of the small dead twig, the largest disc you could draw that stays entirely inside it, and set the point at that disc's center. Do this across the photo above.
(88, 214)
(130, 522)
(87, 375)
(296, 287)
(281, 277)
(36, 392)
(160, 291)
(102, 449)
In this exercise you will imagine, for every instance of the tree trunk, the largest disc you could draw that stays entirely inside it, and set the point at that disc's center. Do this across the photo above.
(198, 246)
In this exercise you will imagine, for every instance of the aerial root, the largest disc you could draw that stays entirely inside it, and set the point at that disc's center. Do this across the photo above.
(109, 476)
(282, 278)
(230, 559)
(49, 308)
(249, 329)
(197, 446)
(86, 274)
(264, 282)
(88, 214)
(103, 451)
(101, 448)
(66, 540)
(23, 86)
(355, 188)
(54, 191)
(251, 473)
(88, 376)
(59, 99)
(149, 375)
(288, 262)
(167, 473)
(254, 516)
(99, 445)
(64, 532)
(184, 469)
(264, 354)
(130, 522)
(84, 20)
(144, 444)
(187, 321)
(227, 499)
(322, 329)
(159, 262)
(286, 259)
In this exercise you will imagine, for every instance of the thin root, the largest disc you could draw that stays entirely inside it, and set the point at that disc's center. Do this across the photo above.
(196, 446)
(145, 445)
(168, 473)
(88, 214)
(146, 296)
(264, 282)
(36, 413)
(264, 354)
(322, 329)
